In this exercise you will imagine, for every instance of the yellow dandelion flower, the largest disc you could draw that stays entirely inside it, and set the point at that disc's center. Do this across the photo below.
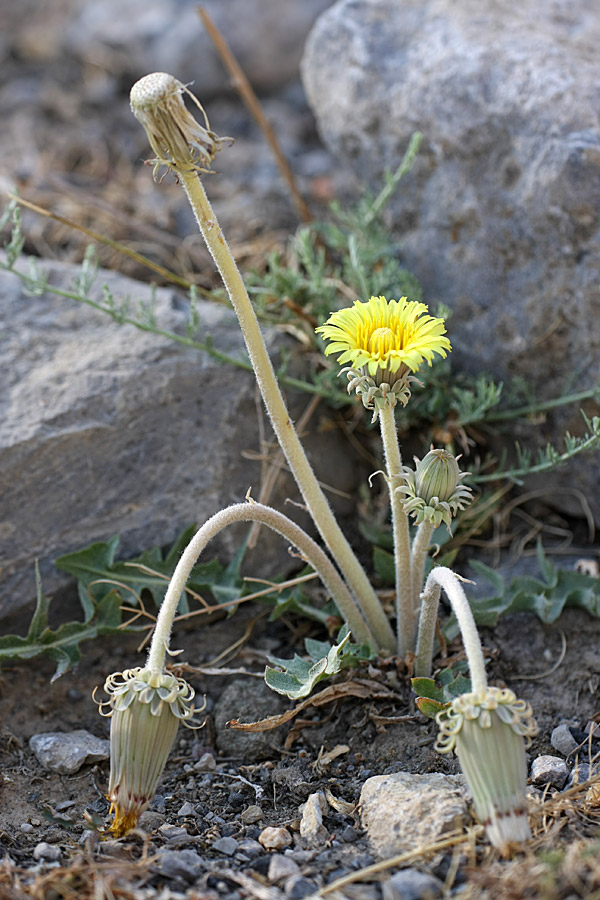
(385, 334)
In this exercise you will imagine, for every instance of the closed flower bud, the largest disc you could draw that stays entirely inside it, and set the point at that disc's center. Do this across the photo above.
(145, 708)
(433, 492)
(489, 733)
(437, 476)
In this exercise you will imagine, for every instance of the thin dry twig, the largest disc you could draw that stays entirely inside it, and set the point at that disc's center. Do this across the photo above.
(553, 667)
(409, 856)
(108, 242)
(243, 86)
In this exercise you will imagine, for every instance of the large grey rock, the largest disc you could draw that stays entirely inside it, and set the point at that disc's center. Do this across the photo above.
(401, 811)
(134, 37)
(500, 218)
(109, 430)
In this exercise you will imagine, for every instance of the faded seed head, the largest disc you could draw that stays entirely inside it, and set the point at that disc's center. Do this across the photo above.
(146, 708)
(177, 139)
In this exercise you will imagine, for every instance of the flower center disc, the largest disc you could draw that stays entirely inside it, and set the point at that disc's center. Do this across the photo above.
(381, 341)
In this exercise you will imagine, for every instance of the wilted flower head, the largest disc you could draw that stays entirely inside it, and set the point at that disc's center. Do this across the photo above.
(490, 732)
(384, 341)
(178, 140)
(433, 491)
(146, 708)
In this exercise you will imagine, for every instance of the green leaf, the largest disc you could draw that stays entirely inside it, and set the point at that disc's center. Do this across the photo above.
(61, 645)
(296, 678)
(427, 689)
(98, 573)
(548, 598)
(432, 695)
(429, 708)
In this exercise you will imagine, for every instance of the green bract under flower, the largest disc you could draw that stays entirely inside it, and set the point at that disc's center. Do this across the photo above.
(375, 396)
(433, 491)
(489, 733)
(146, 708)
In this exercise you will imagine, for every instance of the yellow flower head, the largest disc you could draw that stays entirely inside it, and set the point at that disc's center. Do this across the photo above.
(385, 334)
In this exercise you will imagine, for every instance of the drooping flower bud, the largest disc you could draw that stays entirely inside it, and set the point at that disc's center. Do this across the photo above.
(490, 732)
(145, 708)
(433, 491)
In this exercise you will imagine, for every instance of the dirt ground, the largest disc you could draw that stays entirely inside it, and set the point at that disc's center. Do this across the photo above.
(556, 667)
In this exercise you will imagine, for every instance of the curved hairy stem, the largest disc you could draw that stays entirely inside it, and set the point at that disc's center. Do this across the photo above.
(439, 578)
(252, 512)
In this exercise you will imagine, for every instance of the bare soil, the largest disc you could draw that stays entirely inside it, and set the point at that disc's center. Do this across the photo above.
(555, 667)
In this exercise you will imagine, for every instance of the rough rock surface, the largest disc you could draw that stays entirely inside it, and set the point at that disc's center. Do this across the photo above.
(67, 753)
(500, 218)
(109, 430)
(402, 811)
(133, 37)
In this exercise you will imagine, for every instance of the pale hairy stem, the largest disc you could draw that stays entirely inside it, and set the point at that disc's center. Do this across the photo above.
(443, 578)
(405, 613)
(310, 489)
(252, 512)
(420, 547)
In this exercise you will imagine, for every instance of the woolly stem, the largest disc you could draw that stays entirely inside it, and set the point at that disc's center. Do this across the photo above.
(418, 560)
(310, 489)
(252, 512)
(439, 578)
(405, 615)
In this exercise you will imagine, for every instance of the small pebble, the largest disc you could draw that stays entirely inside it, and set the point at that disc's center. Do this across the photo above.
(312, 829)
(66, 753)
(550, 770)
(562, 740)
(151, 821)
(273, 838)
(261, 865)
(186, 810)
(411, 884)
(298, 887)
(349, 834)
(251, 815)
(206, 763)
(186, 864)
(172, 832)
(26, 828)
(579, 775)
(250, 848)
(281, 867)
(226, 845)
(49, 852)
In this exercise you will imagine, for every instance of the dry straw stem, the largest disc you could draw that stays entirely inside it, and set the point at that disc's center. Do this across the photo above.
(187, 148)
(403, 859)
(108, 242)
